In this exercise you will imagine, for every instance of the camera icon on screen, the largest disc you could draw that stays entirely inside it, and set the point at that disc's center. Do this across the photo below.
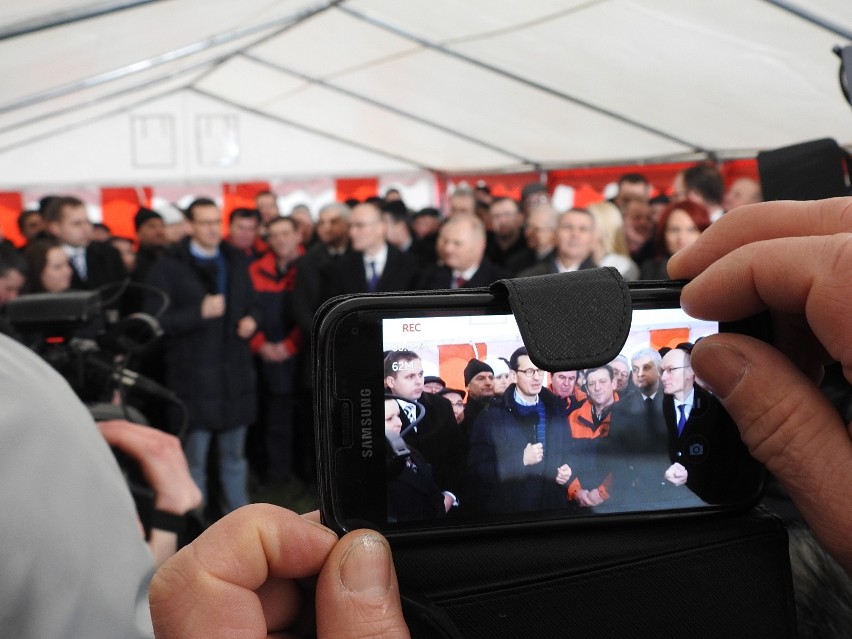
(696, 449)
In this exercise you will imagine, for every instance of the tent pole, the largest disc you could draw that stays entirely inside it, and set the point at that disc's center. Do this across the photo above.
(63, 18)
(812, 18)
(169, 56)
(535, 85)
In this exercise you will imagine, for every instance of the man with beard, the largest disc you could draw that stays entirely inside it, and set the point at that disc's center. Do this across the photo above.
(506, 238)
(518, 458)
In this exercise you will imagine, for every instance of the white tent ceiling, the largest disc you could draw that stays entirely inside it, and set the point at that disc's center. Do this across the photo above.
(356, 87)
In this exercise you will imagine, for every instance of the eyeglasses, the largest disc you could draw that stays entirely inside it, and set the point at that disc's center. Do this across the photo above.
(663, 371)
(529, 372)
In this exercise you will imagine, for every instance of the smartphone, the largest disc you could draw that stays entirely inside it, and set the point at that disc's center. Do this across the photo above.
(493, 440)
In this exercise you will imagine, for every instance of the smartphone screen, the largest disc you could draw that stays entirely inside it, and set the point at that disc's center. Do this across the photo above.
(439, 419)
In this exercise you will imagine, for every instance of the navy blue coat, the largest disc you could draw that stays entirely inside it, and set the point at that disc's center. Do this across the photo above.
(207, 365)
(498, 480)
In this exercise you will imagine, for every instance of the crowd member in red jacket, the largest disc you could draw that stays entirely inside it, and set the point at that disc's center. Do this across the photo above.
(277, 342)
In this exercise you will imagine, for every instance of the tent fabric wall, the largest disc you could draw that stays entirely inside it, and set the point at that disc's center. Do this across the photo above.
(362, 88)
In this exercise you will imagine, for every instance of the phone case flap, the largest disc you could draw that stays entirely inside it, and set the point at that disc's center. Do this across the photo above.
(570, 321)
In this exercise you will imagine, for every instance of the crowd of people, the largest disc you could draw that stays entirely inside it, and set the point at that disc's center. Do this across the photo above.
(248, 570)
(637, 434)
(241, 301)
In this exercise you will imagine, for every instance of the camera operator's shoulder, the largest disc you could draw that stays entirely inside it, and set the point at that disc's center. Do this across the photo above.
(19, 366)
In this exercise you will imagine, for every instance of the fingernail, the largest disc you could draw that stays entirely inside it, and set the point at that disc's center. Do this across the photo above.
(722, 367)
(366, 566)
(323, 528)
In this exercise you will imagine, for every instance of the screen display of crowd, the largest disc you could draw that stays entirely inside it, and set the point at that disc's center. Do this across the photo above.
(486, 433)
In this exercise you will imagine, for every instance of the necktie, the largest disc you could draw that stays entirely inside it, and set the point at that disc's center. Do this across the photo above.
(460, 282)
(682, 420)
(79, 260)
(410, 412)
(372, 276)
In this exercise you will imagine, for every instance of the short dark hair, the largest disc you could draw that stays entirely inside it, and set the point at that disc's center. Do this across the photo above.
(102, 226)
(633, 178)
(394, 357)
(283, 218)
(24, 216)
(199, 201)
(513, 360)
(605, 367)
(396, 208)
(54, 209)
(12, 261)
(706, 180)
(244, 214)
(262, 193)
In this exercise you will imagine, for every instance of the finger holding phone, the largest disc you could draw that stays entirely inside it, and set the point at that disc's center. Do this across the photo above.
(794, 259)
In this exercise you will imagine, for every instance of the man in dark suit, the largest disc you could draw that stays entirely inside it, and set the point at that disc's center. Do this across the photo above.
(372, 264)
(575, 241)
(637, 449)
(506, 238)
(461, 250)
(436, 435)
(94, 263)
(332, 231)
(401, 235)
(704, 444)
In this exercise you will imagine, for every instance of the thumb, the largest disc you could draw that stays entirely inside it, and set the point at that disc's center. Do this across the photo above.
(790, 426)
(357, 592)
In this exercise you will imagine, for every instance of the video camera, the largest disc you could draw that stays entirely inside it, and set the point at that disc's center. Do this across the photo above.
(82, 337)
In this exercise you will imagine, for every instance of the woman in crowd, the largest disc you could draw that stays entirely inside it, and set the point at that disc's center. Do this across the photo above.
(611, 241)
(48, 268)
(680, 225)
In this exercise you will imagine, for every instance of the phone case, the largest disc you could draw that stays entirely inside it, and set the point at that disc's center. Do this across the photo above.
(726, 575)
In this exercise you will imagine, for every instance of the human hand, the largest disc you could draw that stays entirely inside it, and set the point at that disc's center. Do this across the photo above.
(272, 352)
(161, 460)
(584, 498)
(795, 259)
(164, 466)
(246, 327)
(563, 474)
(213, 306)
(249, 575)
(533, 454)
(676, 474)
(595, 497)
(448, 502)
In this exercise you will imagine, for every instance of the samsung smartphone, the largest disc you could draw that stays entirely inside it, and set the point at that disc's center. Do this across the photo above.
(504, 443)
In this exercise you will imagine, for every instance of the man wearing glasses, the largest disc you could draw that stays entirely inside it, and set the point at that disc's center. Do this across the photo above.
(682, 397)
(518, 457)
